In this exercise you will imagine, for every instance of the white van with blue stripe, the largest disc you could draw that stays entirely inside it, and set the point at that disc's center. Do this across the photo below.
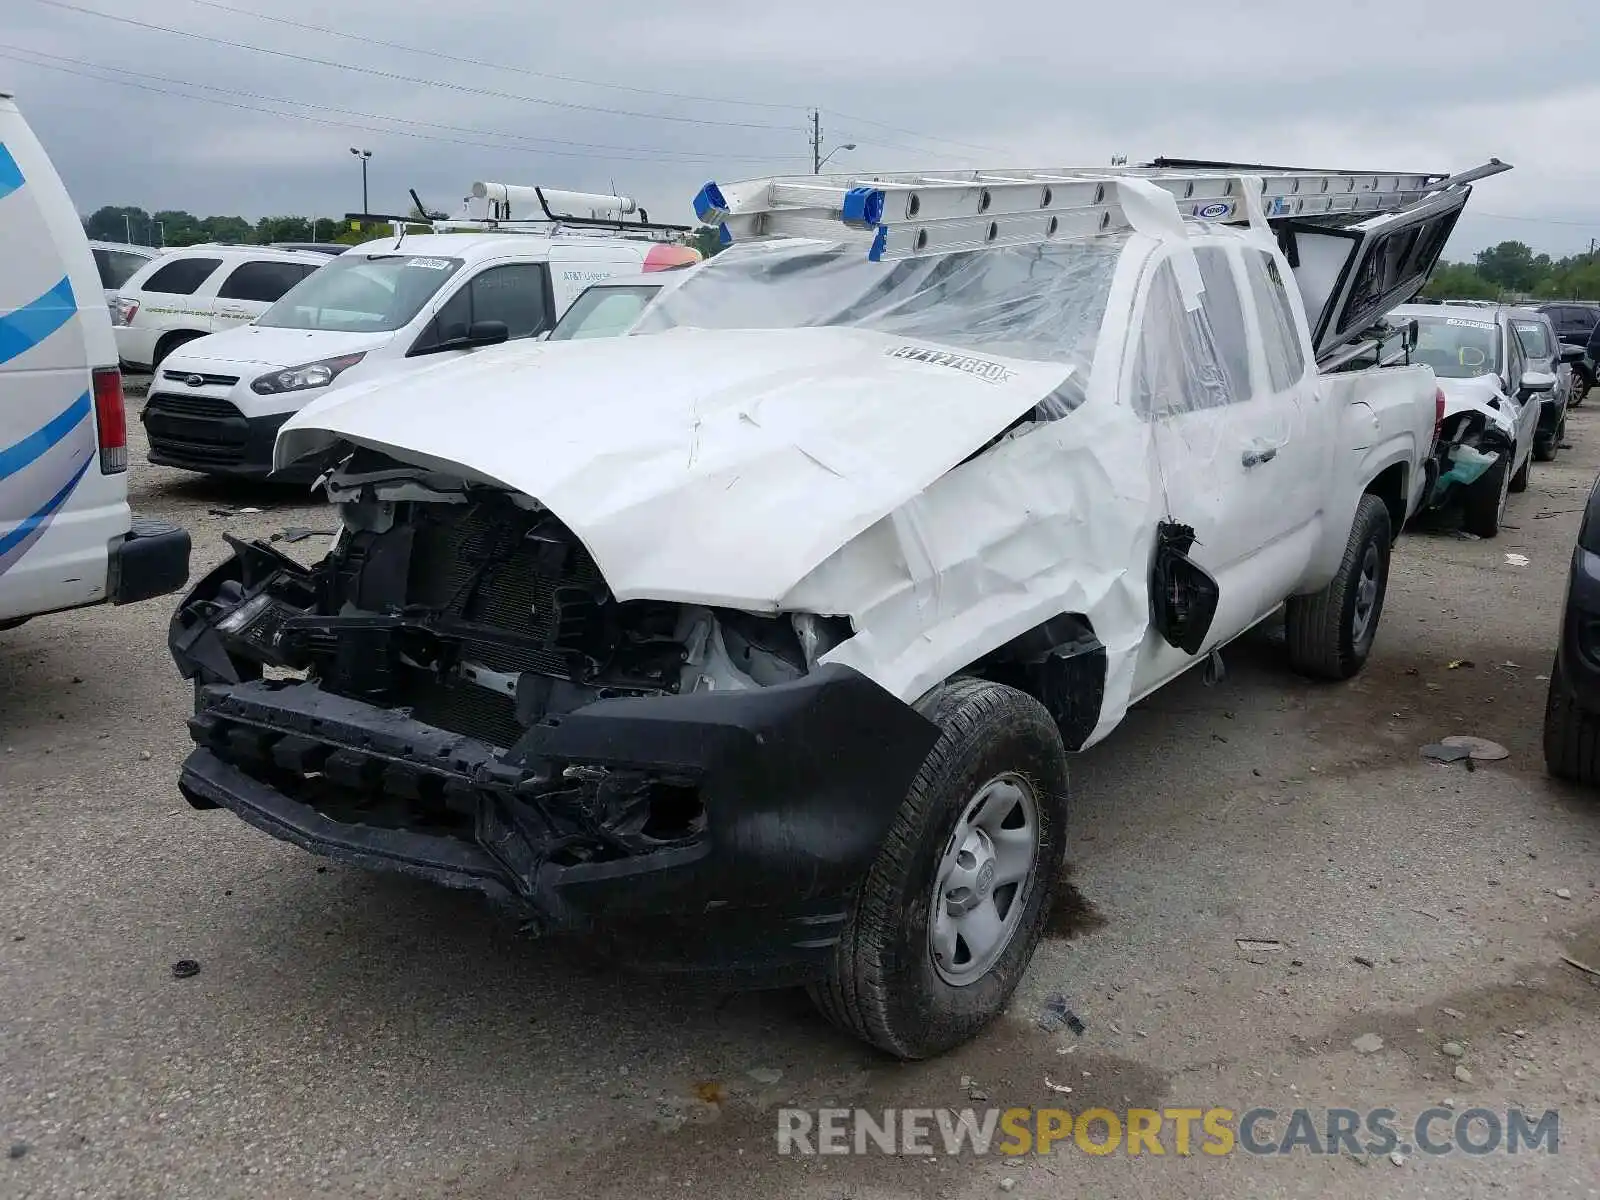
(67, 537)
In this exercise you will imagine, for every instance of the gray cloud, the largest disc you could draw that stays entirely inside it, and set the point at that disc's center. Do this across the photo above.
(1427, 85)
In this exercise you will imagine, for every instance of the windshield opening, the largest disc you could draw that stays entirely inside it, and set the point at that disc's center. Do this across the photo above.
(376, 294)
(604, 312)
(1457, 348)
(1043, 302)
(1535, 344)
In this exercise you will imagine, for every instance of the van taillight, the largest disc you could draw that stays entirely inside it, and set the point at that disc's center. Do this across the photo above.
(1438, 409)
(111, 419)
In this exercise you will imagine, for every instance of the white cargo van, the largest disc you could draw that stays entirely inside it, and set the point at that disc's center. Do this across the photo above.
(67, 537)
(385, 306)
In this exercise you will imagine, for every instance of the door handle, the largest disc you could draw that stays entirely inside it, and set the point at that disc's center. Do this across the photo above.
(1257, 455)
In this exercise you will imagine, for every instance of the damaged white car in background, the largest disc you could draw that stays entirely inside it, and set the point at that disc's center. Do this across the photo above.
(756, 646)
(1491, 402)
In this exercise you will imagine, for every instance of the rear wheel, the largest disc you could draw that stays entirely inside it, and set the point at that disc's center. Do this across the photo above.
(1571, 734)
(1580, 389)
(1330, 633)
(950, 912)
(1485, 505)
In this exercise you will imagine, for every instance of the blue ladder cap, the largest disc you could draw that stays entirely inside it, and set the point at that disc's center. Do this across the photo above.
(710, 205)
(879, 241)
(863, 206)
(724, 234)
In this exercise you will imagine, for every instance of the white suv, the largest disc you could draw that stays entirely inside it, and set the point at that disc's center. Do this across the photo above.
(203, 289)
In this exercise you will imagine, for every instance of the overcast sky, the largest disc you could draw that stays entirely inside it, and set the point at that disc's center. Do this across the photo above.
(576, 95)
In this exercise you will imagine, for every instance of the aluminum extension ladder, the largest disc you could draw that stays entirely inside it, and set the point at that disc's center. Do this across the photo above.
(937, 212)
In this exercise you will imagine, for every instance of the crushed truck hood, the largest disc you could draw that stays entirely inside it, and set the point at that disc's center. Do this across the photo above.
(716, 467)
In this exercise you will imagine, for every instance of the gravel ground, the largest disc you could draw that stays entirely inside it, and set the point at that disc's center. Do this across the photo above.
(352, 1034)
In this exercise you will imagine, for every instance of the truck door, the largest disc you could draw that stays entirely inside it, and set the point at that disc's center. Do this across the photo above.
(1237, 463)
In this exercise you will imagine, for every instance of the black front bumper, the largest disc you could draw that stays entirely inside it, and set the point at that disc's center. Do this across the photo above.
(1578, 656)
(794, 787)
(212, 436)
(152, 559)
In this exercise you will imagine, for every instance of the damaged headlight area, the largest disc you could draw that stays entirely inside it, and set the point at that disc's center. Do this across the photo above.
(481, 616)
(455, 692)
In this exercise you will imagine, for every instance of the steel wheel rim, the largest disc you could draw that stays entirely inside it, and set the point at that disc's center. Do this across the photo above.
(1366, 594)
(984, 878)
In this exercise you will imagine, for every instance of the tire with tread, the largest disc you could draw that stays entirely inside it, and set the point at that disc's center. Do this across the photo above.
(1571, 734)
(882, 985)
(1321, 627)
(1484, 504)
(1519, 481)
(1545, 450)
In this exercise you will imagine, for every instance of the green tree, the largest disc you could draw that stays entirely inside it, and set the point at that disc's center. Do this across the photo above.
(178, 228)
(1512, 265)
(1459, 281)
(706, 240)
(119, 223)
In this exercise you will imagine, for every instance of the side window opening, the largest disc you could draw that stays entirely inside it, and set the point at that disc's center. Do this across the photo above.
(181, 277)
(515, 294)
(1223, 309)
(1286, 360)
(262, 281)
(1177, 367)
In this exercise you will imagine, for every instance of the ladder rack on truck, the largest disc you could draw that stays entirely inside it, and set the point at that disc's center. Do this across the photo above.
(1330, 224)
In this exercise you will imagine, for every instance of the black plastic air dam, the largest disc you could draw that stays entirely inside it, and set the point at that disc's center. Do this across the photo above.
(799, 784)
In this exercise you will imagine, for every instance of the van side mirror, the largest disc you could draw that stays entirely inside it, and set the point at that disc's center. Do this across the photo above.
(1538, 381)
(490, 333)
(1413, 331)
(479, 333)
(1571, 353)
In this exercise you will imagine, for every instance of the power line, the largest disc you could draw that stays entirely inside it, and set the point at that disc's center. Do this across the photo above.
(913, 133)
(595, 83)
(1534, 220)
(414, 79)
(479, 62)
(656, 153)
(333, 124)
(475, 62)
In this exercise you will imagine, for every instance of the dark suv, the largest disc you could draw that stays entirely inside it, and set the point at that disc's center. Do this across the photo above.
(1577, 322)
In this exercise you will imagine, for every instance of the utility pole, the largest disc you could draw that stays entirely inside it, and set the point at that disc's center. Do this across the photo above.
(127, 230)
(363, 155)
(818, 158)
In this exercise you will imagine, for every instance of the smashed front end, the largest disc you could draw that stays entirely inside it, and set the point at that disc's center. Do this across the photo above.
(454, 693)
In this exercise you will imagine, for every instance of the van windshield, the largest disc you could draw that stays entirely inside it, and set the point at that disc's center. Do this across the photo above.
(367, 294)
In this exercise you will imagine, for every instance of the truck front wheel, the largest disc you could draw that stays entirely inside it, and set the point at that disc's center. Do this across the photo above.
(1330, 633)
(952, 909)
(1484, 505)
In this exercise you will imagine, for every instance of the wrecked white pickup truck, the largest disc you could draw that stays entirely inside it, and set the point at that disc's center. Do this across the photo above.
(756, 645)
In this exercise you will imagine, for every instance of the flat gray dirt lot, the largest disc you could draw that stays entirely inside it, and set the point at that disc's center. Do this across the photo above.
(352, 1034)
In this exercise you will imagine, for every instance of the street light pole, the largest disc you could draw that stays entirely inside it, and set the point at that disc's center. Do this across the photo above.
(127, 230)
(363, 155)
(830, 154)
(818, 158)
